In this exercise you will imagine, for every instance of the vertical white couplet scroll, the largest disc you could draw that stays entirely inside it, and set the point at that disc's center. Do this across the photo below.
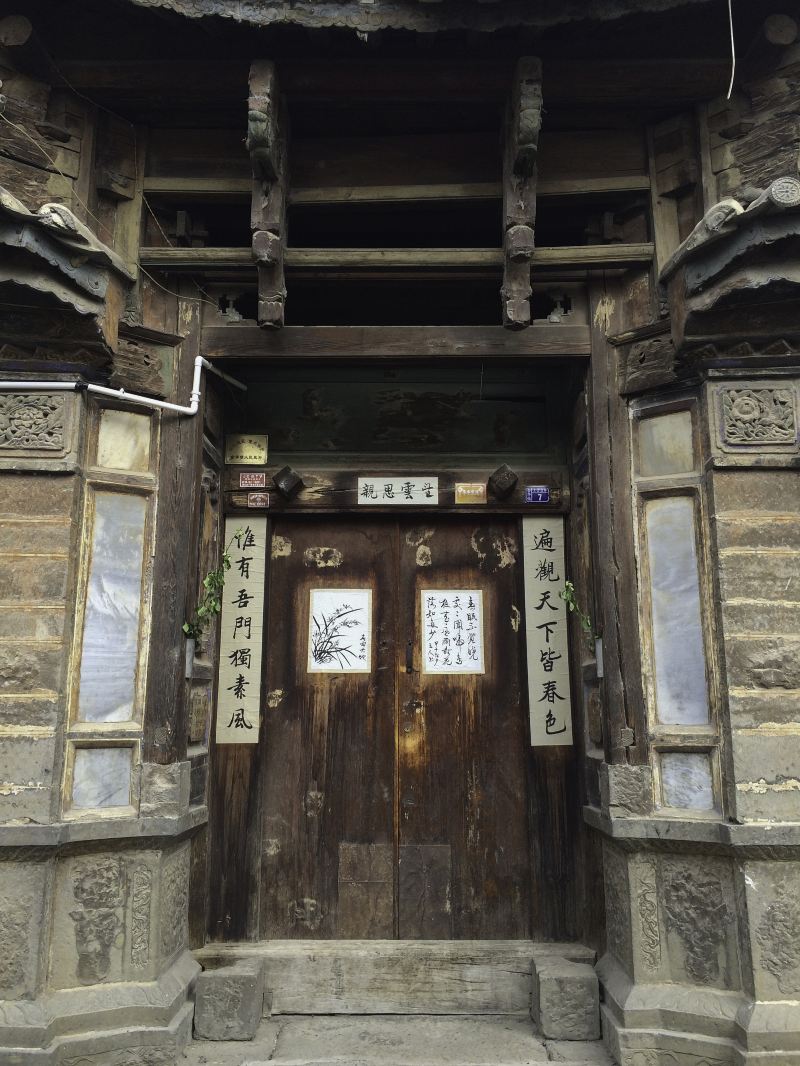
(547, 648)
(241, 632)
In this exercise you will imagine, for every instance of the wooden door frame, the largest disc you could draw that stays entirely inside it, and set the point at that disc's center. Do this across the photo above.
(236, 787)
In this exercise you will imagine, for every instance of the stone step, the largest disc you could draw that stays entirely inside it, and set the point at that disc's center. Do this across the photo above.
(399, 977)
(393, 1041)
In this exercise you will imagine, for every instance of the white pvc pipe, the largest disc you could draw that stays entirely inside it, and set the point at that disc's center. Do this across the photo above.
(21, 385)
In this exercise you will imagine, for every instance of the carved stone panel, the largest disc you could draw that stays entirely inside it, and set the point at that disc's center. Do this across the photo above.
(756, 418)
(174, 901)
(32, 423)
(700, 922)
(773, 905)
(618, 906)
(647, 926)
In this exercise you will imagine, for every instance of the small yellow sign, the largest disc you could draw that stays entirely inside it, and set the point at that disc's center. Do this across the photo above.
(245, 449)
(470, 492)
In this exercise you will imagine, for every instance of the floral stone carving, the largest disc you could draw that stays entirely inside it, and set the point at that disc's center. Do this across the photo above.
(759, 416)
(34, 422)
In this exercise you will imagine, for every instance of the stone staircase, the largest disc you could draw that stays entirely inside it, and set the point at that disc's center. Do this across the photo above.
(397, 1003)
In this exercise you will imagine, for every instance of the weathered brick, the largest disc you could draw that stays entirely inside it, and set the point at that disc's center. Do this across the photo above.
(35, 535)
(756, 490)
(752, 708)
(22, 710)
(30, 494)
(766, 663)
(761, 575)
(229, 1001)
(28, 668)
(32, 623)
(33, 580)
(758, 531)
(26, 778)
(565, 1002)
(766, 618)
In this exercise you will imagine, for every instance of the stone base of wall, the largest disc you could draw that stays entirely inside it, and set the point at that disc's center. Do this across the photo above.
(144, 1023)
(666, 1024)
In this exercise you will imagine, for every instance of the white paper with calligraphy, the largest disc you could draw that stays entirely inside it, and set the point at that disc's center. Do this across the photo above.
(398, 491)
(452, 631)
(340, 631)
(546, 631)
(241, 635)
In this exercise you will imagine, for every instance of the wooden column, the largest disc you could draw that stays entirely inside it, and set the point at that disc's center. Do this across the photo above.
(266, 142)
(523, 122)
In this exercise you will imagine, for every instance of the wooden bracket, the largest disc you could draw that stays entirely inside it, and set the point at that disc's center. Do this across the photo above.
(524, 119)
(266, 142)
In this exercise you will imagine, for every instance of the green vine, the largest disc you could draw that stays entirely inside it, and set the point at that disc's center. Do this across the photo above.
(210, 602)
(567, 594)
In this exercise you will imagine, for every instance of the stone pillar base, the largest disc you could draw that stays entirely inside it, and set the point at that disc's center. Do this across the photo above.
(680, 1025)
(144, 1023)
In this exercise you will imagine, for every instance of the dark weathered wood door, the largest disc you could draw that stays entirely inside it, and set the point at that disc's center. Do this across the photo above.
(394, 800)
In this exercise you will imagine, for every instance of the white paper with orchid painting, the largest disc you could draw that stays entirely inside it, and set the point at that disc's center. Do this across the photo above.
(340, 631)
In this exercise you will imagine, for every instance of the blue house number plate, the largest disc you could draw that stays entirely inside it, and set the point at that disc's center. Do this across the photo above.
(537, 494)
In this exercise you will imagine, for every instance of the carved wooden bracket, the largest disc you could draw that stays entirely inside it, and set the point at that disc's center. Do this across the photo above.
(523, 122)
(266, 142)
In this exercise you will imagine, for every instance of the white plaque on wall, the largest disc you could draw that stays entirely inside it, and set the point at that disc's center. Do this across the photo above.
(398, 491)
(452, 631)
(340, 631)
(241, 632)
(546, 631)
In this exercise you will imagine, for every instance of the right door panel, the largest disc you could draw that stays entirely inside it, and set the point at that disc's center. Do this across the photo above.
(464, 860)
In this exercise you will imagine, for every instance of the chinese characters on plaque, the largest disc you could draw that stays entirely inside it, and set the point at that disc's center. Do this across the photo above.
(241, 622)
(546, 631)
(398, 491)
(452, 631)
(340, 631)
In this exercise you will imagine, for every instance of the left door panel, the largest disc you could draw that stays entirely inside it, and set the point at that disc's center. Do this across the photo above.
(327, 867)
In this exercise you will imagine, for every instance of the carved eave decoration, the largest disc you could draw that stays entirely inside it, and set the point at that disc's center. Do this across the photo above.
(51, 259)
(734, 283)
(62, 303)
(422, 16)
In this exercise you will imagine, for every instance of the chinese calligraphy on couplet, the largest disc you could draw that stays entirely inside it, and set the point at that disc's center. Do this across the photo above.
(546, 631)
(241, 622)
(398, 491)
(452, 631)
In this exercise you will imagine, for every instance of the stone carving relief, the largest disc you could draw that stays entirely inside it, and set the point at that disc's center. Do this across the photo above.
(618, 907)
(759, 416)
(696, 911)
(14, 951)
(31, 422)
(140, 916)
(99, 892)
(778, 936)
(174, 902)
(647, 907)
(306, 912)
(143, 1055)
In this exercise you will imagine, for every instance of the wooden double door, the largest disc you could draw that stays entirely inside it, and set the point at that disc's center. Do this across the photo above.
(394, 789)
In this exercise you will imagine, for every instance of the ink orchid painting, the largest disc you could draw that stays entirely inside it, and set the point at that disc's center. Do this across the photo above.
(339, 631)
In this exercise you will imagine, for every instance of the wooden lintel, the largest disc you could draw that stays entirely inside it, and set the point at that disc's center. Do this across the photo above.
(541, 340)
(333, 259)
(238, 189)
(652, 81)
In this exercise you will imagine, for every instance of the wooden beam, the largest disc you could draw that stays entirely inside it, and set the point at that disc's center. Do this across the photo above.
(232, 188)
(541, 340)
(650, 82)
(334, 259)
